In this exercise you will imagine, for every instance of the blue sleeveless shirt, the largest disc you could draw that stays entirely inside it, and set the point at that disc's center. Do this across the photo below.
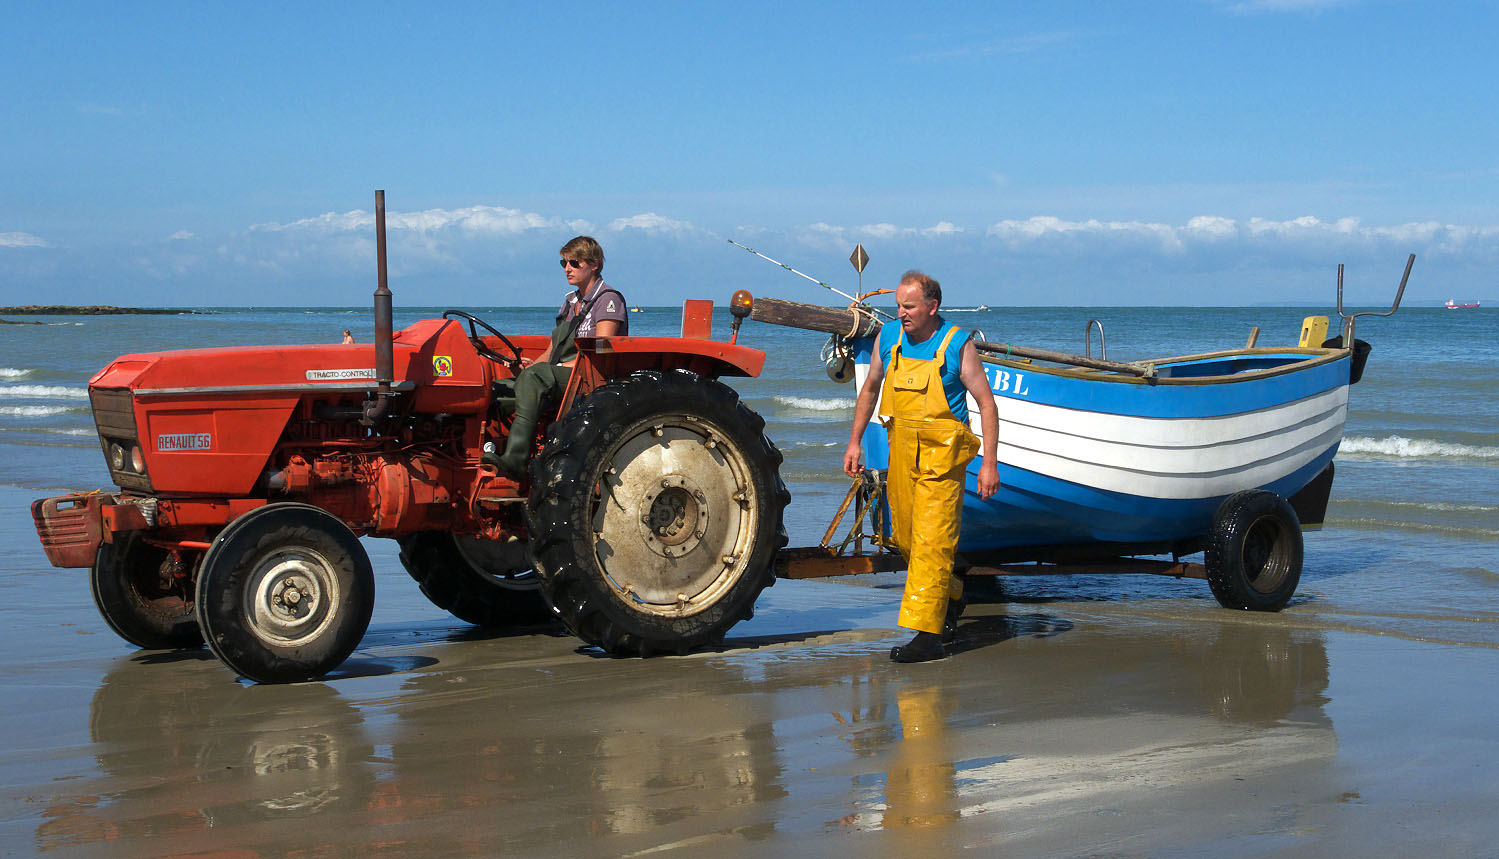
(926, 350)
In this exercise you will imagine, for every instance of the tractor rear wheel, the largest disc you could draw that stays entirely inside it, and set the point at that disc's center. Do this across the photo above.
(1254, 551)
(655, 513)
(484, 582)
(285, 593)
(139, 596)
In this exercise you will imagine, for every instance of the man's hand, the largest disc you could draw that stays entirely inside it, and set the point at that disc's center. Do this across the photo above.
(851, 460)
(988, 480)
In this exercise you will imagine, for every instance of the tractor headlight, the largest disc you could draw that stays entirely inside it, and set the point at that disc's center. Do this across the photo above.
(117, 457)
(137, 460)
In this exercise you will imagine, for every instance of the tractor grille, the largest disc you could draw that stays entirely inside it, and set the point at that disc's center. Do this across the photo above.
(114, 415)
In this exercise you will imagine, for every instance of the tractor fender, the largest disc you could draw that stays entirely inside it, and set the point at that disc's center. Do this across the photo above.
(619, 356)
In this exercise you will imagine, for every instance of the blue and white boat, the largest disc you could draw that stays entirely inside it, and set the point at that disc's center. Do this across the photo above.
(1100, 463)
(1099, 456)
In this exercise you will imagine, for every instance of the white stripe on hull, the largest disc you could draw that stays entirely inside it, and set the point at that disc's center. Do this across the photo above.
(1183, 431)
(1178, 458)
(1173, 458)
(1131, 481)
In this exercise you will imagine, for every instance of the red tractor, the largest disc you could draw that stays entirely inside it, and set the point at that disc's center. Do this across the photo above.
(649, 520)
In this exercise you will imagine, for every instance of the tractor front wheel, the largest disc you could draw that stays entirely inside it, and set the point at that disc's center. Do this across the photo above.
(655, 513)
(140, 595)
(285, 593)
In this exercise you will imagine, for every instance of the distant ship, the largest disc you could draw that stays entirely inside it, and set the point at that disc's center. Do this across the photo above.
(1453, 305)
(636, 310)
(967, 309)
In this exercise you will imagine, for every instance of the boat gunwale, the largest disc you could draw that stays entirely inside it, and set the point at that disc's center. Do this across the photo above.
(1316, 357)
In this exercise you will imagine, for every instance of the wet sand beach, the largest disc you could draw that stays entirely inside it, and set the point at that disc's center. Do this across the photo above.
(1083, 716)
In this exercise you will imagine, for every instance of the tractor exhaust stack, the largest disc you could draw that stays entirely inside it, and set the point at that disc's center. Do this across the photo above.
(384, 348)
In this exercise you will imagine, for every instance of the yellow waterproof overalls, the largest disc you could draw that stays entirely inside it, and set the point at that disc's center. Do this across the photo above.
(929, 454)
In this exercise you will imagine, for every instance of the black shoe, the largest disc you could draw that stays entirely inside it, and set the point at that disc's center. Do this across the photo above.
(950, 621)
(924, 647)
(513, 470)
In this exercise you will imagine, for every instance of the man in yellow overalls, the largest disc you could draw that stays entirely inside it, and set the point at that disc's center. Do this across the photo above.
(931, 369)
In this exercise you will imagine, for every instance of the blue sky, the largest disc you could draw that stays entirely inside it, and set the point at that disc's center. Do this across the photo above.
(1070, 153)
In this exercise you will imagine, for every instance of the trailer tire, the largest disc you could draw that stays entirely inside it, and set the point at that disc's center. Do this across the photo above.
(656, 513)
(475, 579)
(1254, 551)
(126, 584)
(285, 593)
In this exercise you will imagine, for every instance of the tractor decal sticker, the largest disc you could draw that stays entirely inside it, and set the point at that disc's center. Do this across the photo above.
(327, 375)
(442, 365)
(175, 442)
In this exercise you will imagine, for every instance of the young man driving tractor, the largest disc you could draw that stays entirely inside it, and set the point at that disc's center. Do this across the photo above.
(592, 309)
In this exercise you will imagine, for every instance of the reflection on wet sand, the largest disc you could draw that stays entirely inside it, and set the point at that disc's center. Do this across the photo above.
(523, 745)
(919, 787)
(186, 754)
(570, 761)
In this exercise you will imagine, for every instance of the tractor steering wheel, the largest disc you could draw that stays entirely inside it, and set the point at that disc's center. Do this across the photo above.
(512, 361)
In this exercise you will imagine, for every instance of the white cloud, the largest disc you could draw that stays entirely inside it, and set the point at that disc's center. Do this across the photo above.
(476, 253)
(22, 240)
(1042, 228)
(1211, 227)
(882, 231)
(941, 228)
(822, 232)
(1044, 231)
(477, 220)
(653, 223)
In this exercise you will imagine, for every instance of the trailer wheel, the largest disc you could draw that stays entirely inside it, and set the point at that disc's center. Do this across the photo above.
(484, 582)
(1254, 551)
(655, 513)
(285, 593)
(140, 599)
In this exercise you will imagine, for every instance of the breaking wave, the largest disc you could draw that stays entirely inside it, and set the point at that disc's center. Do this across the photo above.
(30, 392)
(13, 373)
(1400, 447)
(33, 411)
(815, 404)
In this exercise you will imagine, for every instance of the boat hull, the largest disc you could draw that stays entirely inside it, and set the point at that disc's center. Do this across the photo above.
(1088, 457)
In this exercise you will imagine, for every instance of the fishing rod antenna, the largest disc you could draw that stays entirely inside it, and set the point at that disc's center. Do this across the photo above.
(854, 301)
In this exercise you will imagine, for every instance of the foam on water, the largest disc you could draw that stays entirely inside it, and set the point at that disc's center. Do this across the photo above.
(33, 411)
(1469, 532)
(817, 404)
(13, 373)
(1432, 506)
(42, 392)
(1400, 447)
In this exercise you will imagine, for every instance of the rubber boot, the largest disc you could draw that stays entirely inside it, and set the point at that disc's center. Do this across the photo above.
(950, 621)
(512, 463)
(924, 647)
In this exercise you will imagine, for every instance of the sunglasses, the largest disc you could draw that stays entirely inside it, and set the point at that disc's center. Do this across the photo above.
(572, 263)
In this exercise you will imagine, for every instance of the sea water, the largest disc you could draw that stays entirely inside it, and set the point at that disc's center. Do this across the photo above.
(1414, 515)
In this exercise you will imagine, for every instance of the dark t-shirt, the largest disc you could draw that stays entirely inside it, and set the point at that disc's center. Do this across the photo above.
(610, 305)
